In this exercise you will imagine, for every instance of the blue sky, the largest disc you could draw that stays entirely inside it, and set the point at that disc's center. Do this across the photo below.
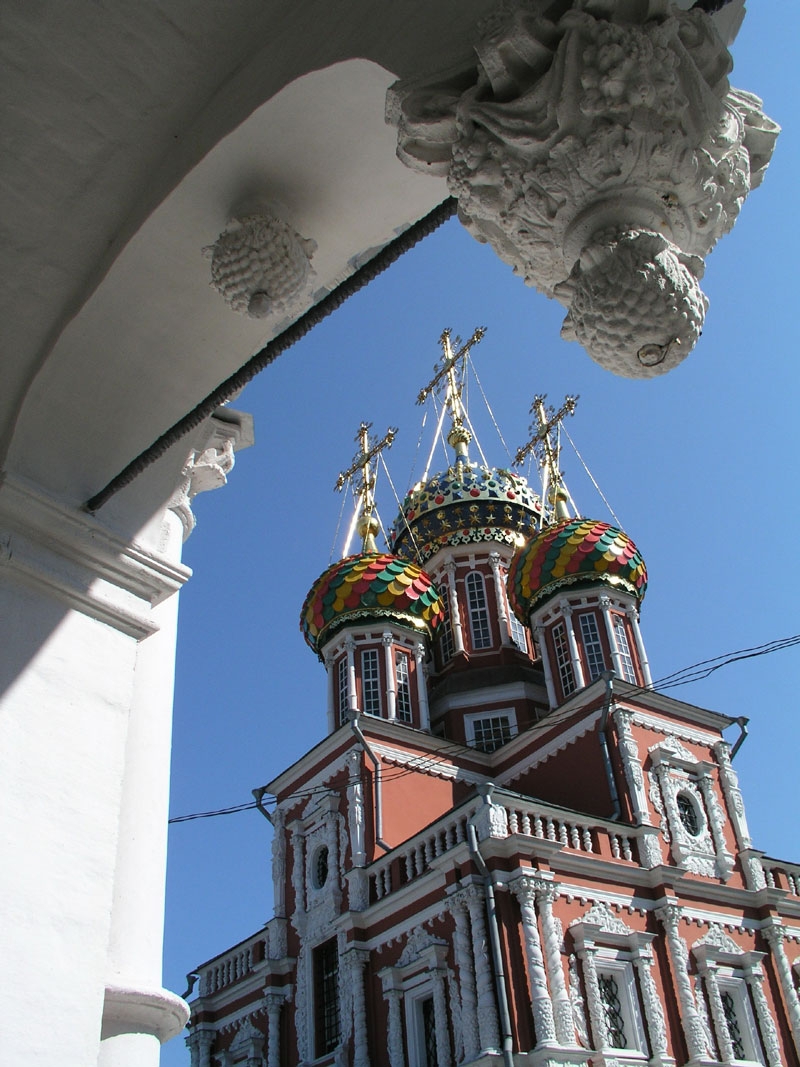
(700, 466)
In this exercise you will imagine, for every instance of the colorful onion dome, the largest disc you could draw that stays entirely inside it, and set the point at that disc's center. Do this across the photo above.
(368, 587)
(573, 552)
(463, 505)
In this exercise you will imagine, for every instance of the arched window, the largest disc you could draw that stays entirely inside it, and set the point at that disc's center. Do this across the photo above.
(478, 612)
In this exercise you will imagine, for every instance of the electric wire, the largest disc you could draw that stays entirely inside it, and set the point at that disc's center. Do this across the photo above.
(687, 675)
(329, 303)
(591, 478)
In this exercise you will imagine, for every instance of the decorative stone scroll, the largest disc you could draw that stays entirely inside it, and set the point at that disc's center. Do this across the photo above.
(601, 152)
(259, 263)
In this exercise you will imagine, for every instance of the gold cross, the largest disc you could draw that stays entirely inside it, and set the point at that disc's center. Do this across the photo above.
(362, 459)
(544, 442)
(446, 369)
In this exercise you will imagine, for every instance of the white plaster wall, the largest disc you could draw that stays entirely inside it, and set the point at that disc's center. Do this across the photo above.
(63, 728)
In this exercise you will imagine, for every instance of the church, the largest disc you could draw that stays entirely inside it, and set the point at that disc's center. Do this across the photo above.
(509, 847)
(190, 187)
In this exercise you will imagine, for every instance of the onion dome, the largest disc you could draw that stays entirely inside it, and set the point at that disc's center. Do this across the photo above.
(369, 587)
(463, 505)
(574, 552)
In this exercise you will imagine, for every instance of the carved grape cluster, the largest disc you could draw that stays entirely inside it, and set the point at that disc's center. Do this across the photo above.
(637, 307)
(259, 263)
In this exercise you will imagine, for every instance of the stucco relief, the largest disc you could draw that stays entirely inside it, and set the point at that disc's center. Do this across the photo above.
(609, 201)
(259, 263)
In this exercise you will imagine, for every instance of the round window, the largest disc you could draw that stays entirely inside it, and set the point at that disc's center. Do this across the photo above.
(687, 810)
(319, 867)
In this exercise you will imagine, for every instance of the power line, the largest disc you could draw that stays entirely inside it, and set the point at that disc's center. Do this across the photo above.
(685, 676)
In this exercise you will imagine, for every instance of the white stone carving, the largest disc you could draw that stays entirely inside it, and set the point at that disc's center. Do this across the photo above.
(259, 263)
(542, 1006)
(301, 1007)
(274, 1002)
(211, 461)
(718, 939)
(629, 751)
(455, 1017)
(279, 862)
(440, 1016)
(610, 200)
(553, 936)
(394, 1037)
(774, 934)
(246, 1048)
(669, 914)
(491, 820)
(200, 1042)
(769, 1034)
(577, 1003)
(488, 1025)
(702, 1011)
(462, 948)
(602, 916)
(653, 1008)
(355, 809)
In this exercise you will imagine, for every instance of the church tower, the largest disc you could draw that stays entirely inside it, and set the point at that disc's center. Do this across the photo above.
(508, 847)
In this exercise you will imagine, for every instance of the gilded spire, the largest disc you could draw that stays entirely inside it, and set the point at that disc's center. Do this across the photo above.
(545, 443)
(451, 371)
(364, 466)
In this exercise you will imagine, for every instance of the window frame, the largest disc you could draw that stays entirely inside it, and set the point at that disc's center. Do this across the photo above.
(615, 964)
(592, 645)
(478, 611)
(326, 1005)
(563, 658)
(404, 706)
(415, 994)
(472, 718)
(445, 639)
(371, 703)
(343, 688)
(620, 631)
(733, 983)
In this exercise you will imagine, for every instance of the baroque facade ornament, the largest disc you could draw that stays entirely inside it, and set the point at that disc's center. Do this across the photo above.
(610, 201)
(259, 263)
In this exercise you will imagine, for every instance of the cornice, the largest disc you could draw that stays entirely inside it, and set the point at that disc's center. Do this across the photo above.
(428, 764)
(67, 554)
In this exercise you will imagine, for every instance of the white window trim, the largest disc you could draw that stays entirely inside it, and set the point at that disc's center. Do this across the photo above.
(591, 644)
(415, 993)
(731, 982)
(616, 963)
(479, 586)
(472, 718)
(365, 653)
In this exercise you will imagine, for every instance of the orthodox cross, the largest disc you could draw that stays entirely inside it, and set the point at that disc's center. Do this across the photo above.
(459, 437)
(545, 443)
(365, 491)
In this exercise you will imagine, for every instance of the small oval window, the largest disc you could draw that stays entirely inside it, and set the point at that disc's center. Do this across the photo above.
(687, 810)
(319, 871)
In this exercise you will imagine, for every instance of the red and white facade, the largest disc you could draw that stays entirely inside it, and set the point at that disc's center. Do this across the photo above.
(499, 853)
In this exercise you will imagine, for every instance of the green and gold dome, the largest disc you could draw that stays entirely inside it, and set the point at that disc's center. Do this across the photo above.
(367, 588)
(574, 553)
(464, 505)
